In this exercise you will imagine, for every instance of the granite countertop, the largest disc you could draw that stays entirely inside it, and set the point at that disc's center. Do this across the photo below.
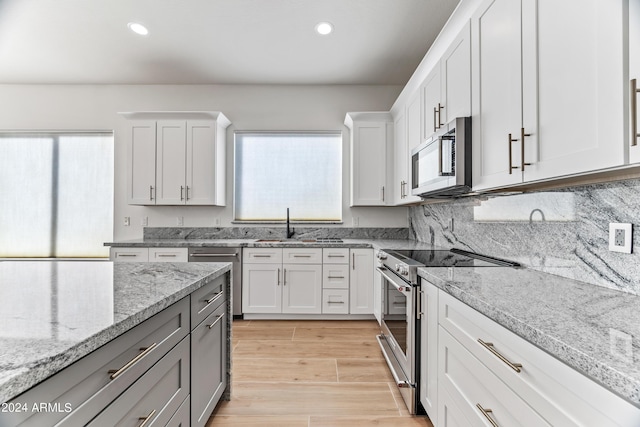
(52, 313)
(256, 243)
(590, 328)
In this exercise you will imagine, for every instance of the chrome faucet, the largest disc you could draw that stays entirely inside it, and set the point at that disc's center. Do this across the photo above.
(290, 231)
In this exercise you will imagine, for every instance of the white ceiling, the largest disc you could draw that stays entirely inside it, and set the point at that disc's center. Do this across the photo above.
(216, 41)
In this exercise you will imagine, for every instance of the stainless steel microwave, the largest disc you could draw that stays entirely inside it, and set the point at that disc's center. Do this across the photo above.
(441, 166)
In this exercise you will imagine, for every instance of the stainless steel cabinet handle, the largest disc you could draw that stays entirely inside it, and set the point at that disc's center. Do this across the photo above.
(167, 255)
(440, 107)
(435, 120)
(115, 373)
(335, 277)
(213, 298)
(262, 256)
(383, 193)
(151, 192)
(335, 256)
(511, 167)
(284, 278)
(127, 255)
(353, 261)
(278, 278)
(145, 420)
(522, 135)
(489, 346)
(486, 413)
(634, 112)
(302, 256)
(335, 302)
(181, 193)
(216, 321)
(187, 194)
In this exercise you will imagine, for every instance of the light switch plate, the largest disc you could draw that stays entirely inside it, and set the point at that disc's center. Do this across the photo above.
(620, 238)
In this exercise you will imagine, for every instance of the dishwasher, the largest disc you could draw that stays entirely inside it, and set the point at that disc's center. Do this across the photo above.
(224, 254)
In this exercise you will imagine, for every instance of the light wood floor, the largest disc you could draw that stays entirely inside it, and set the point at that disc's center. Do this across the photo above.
(310, 374)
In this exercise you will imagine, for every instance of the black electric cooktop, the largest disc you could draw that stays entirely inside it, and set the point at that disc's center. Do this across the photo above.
(452, 258)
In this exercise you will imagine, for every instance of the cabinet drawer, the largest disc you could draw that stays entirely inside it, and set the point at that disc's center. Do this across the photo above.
(302, 256)
(562, 395)
(129, 254)
(335, 276)
(87, 385)
(473, 387)
(157, 395)
(182, 417)
(168, 254)
(206, 299)
(335, 301)
(335, 255)
(262, 255)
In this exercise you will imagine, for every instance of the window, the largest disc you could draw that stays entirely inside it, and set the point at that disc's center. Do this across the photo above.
(56, 193)
(279, 170)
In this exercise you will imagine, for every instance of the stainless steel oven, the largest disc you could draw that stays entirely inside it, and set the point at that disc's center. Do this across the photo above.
(401, 311)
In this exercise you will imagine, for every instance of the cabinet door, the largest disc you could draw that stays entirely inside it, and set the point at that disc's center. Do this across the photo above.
(129, 254)
(496, 87)
(377, 296)
(429, 349)
(634, 73)
(208, 365)
(400, 158)
(433, 110)
(368, 164)
(261, 290)
(579, 97)
(168, 255)
(141, 167)
(302, 288)
(201, 161)
(455, 77)
(171, 162)
(361, 282)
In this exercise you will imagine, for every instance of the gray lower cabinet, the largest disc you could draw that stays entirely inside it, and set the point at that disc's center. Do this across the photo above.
(170, 370)
(208, 364)
(155, 397)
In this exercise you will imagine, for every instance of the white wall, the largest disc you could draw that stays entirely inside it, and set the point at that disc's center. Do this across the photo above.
(71, 107)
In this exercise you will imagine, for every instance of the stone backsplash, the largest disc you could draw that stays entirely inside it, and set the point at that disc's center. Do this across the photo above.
(272, 233)
(563, 232)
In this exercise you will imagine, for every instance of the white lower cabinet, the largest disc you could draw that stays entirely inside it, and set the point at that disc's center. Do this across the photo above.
(291, 281)
(429, 349)
(129, 254)
(483, 366)
(140, 254)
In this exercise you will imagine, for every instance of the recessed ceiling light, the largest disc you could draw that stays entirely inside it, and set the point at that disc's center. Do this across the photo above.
(324, 28)
(138, 28)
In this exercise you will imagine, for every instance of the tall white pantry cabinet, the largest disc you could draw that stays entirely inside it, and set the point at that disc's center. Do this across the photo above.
(176, 158)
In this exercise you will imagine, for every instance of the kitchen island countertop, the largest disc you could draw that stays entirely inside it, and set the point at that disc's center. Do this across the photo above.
(53, 313)
(578, 323)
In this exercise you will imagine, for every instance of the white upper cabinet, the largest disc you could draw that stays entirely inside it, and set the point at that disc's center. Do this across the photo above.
(634, 74)
(371, 157)
(446, 91)
(176, 158)
(547, 98)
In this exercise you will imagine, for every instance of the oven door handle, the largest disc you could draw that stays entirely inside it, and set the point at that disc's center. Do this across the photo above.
(403, 289)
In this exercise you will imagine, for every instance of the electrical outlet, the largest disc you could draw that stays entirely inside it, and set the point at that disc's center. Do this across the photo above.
(216, 221)
(450, 225)
(180, 221)
(127, 221)
(620, 237)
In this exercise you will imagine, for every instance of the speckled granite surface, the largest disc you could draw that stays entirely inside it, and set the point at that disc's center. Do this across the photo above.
(55, 312)
(590, 328)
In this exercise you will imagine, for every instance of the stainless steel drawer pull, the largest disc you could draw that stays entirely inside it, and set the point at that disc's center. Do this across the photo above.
(127, 255)
(262, 256)
(147, 419)
(489, 346)
(167, 255)
(335, 256)
(486, 413)
(335, 302)
(151, 192)
(116, 373)
(302, 256)
(213, 298)
(216, 321)
(335, 277)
